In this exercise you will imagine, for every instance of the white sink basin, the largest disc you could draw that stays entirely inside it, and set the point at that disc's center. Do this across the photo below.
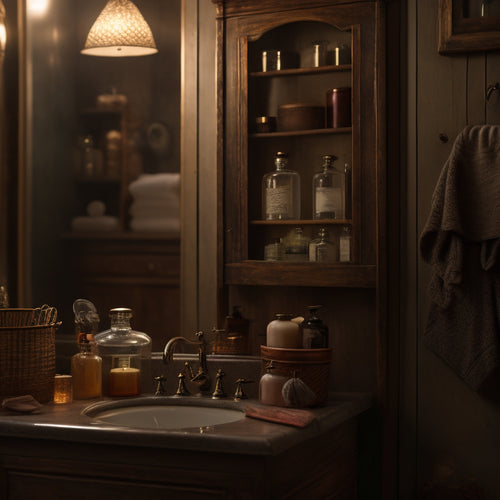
(163, 414)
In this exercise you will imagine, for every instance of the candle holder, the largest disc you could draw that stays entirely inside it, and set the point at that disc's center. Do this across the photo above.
(63, 389)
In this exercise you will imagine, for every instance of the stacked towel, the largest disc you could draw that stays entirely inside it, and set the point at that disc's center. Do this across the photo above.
(461, 241)
(156, 203)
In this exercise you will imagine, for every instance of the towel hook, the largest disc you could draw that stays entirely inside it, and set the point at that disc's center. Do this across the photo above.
(491, 88)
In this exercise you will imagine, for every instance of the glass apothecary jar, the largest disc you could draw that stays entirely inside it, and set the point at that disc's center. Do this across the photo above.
(281, 191)
(126, 356)
(328, 191)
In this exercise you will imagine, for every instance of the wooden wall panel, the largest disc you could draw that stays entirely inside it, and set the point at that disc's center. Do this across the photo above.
(457, 433)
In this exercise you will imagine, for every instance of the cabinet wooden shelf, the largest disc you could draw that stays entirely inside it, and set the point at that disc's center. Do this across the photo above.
(313, 274)
(301, 222)
(98, 179)
(294, 133)
(300, 71)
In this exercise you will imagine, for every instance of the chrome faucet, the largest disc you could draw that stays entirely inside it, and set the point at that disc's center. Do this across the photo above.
(201, 379)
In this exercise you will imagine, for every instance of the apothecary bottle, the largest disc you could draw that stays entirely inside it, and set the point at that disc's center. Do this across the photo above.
(322, 249)
(345, 244)
(281, 191)
(314, 331)
(126, 355)
(86, 371)
(296, 245)
(328, 191)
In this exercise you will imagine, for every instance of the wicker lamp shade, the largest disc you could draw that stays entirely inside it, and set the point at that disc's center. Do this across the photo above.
(119, 31)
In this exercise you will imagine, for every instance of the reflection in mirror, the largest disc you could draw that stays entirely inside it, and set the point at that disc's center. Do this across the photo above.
(103, 160)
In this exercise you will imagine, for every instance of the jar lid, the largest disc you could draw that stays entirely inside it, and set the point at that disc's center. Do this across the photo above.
(283, 316)
(340, 89)
(265, 119)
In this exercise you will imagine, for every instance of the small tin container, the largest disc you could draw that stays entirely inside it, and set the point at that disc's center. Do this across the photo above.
(341, 55)
(277, 60)
(264, 124)
(301, 116)
(338, 107)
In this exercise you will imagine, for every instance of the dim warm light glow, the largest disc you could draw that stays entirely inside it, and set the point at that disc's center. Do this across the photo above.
(3, 37)
(120, 30)
(38, 7)
(3, 32)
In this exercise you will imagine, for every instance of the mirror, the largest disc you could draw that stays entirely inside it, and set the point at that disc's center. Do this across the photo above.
(74, 110)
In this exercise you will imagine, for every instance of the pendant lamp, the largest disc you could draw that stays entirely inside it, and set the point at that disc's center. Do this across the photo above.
(120, 31)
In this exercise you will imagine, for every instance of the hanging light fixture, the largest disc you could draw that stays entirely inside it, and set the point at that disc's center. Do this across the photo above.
(119, 31)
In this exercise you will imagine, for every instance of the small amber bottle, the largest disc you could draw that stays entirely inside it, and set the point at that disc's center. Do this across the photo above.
(86, 370)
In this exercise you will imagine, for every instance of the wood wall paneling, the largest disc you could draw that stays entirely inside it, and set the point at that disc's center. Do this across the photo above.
(457, 432)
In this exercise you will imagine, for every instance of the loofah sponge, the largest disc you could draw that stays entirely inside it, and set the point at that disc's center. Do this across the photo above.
(297, 394)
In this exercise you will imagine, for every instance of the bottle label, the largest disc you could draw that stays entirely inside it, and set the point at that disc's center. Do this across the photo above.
(278, 201)
(345, 248)
(329, 199)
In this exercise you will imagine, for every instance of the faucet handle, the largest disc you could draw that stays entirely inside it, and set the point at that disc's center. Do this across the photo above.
(219, 390)
(181, 388)
(160, 388)
(240, 394)
(200, 335)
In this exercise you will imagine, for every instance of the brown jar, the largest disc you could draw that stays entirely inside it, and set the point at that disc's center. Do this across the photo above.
(338, 107)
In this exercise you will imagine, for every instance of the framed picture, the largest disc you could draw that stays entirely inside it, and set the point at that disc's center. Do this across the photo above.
(468, 25)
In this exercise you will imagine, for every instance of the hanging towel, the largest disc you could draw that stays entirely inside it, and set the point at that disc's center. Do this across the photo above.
(461, 242)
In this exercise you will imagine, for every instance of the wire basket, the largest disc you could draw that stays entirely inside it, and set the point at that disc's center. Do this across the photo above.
(27, 352)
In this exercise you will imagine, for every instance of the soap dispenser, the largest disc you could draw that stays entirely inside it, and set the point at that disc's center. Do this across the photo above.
(126, 355)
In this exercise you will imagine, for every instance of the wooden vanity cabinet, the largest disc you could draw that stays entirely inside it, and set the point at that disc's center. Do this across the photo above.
(323, 467)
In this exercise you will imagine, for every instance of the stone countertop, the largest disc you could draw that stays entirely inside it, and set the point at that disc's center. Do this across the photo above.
(249, 436)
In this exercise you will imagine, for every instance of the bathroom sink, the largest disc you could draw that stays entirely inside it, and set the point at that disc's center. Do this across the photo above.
(163, 413)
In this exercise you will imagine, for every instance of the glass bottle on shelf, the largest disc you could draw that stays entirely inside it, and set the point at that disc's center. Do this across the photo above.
(274, 251)
(322, 249)
(281, 191)
(87, 157)
(296, 245)
(328, 191)
(345, 244)
(347, 191)
(126, 355)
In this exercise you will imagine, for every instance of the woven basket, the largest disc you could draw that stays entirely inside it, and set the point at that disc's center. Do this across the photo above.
(27, 353)
(312, 366)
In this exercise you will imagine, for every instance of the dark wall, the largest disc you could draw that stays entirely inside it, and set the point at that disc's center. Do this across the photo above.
(449, 434)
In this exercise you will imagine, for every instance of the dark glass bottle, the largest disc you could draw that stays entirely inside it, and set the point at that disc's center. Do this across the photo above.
(314, 331)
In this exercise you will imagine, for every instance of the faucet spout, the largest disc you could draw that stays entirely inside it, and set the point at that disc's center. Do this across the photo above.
(201, 379)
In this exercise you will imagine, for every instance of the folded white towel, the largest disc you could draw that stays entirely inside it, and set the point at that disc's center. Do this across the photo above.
(155, 208)
(95, 223)
(162, 225)
(152, 185)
